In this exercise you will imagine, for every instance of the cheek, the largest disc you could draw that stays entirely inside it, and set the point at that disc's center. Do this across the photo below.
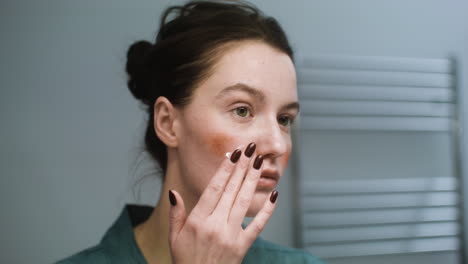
(284, 159)
(220, 143)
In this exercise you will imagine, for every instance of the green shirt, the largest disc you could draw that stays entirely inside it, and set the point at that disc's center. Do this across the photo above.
(119, 246)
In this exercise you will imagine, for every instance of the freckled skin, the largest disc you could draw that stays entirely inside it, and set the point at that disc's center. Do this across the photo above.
(209, 128)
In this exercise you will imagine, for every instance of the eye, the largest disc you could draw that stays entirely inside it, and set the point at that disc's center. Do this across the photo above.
(242, 111)
(285, 120)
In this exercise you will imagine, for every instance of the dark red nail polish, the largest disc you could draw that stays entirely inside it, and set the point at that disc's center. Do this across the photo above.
(236, 155)
(274, 196)
(172, 198)
(258, 162)
(250, 150)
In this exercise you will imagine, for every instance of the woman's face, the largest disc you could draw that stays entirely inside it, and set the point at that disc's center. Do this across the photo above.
(251, 96)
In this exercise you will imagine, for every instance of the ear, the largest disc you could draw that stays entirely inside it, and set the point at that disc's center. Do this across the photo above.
(165, 119)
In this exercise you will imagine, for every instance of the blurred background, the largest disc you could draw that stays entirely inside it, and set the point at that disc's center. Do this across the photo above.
(379, 169)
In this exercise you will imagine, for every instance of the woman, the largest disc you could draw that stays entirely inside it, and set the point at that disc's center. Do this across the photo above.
(220, 87)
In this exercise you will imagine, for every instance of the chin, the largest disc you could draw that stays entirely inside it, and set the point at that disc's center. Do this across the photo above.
(257, 203)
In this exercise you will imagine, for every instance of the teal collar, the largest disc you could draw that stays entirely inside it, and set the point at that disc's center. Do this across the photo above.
(119, 240)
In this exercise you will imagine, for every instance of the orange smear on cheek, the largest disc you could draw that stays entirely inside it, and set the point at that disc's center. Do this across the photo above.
(285, 159)
(219, 143)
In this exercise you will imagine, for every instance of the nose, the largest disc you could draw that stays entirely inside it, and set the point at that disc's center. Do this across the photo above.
(272, 140)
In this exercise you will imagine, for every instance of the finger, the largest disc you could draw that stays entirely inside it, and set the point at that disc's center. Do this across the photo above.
(247, 191)
(233, 186)
(177, 215)
(213, 191)
(258, 223)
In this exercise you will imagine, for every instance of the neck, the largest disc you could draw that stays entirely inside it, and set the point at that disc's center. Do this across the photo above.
(152, 235)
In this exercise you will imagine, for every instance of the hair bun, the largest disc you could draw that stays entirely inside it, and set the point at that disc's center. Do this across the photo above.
(137, 70)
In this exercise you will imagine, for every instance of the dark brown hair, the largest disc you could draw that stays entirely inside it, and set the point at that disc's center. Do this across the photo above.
(191, 39)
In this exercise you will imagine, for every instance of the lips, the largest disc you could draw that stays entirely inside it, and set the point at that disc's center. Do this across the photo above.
(268, 180)
(271, 174)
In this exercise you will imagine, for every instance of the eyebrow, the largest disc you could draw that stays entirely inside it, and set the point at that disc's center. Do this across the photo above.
(242, 88)
(292, 106)
(260, 96)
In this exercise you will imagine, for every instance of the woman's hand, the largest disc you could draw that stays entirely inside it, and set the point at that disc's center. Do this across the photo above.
(212, 233)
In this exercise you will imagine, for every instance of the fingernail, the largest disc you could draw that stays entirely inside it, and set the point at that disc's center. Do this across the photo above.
(172, 198)
(250, 150)
(236, 155)
(258, 162)
(274, 196)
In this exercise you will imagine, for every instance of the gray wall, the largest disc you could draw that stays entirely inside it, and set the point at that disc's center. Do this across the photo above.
(70, 133)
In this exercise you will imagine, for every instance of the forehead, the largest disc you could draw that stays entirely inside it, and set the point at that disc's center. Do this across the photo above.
(254, 64)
